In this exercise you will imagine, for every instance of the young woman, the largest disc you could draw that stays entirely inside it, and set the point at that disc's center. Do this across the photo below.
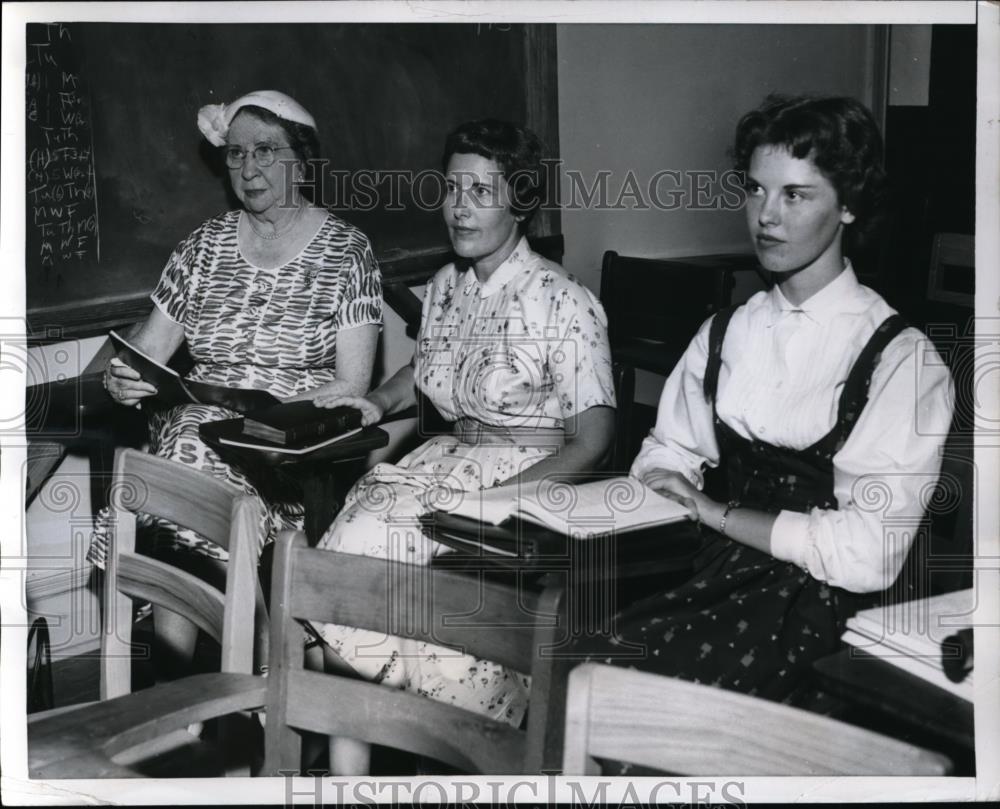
(514, 352)
(823, 412)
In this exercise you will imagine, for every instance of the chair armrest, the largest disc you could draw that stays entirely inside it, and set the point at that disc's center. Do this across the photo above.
(406, 413)
(66, 402)
(67, 745)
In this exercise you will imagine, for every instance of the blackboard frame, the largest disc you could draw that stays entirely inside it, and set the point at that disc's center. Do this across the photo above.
(400, 267)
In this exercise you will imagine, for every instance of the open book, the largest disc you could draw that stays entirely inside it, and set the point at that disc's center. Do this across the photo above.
(910, 635)
(600, 507)
(171, 389)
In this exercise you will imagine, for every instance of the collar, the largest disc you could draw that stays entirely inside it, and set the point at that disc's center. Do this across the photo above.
(844, 294)
(510, 266)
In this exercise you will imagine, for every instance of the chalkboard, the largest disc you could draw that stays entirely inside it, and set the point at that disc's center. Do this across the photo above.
(111, 132)
(62, 235)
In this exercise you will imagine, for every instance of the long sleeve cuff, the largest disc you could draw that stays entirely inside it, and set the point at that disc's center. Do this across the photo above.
(648, 462)
(790, 538)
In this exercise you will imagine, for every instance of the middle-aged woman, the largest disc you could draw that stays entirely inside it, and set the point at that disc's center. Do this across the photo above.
(823, 411)
(515, 353)
(280, 295)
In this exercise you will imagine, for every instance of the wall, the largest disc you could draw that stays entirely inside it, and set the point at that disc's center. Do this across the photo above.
(651, 97)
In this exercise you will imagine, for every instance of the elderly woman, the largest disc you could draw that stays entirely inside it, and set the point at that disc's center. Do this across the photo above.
(805, 398)
(280, 295)
(515, 353)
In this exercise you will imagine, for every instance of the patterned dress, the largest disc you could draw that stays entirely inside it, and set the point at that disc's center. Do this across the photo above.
(523, 352)
(270, 329)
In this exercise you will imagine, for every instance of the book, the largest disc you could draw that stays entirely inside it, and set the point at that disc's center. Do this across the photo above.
(293, 422)
(615, 505)
(917, 666)
(522, 539)
(911, 635)
(172, 389)
(299, 448)
(523, 545)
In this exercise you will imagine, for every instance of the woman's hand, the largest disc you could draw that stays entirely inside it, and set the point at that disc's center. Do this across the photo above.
(336, 389)
(371, 412)
(678, 488)
(125, 384)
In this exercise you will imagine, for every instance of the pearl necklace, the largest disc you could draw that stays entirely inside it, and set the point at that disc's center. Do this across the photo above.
(270, 237)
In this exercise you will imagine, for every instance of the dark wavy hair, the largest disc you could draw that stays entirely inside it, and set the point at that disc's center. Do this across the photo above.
(515, 149)
(840, 136)
(301, 138)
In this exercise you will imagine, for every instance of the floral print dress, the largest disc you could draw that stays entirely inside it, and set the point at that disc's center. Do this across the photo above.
(523, 351)
(245, 326)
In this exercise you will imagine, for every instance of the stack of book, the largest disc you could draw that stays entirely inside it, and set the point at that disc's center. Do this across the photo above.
(917, 636)
(295, 427)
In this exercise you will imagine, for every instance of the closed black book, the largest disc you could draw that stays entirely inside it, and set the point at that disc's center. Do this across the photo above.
(294, 422)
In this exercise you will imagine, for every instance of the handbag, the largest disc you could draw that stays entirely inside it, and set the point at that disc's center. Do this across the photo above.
(39, 692)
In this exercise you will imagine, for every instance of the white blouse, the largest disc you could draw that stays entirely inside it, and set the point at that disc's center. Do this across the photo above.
(783, 369)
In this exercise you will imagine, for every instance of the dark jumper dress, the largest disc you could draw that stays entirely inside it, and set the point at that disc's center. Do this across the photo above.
(746, 621)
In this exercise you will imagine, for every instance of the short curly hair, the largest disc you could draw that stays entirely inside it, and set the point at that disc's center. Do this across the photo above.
(515, 149)
(839, 135)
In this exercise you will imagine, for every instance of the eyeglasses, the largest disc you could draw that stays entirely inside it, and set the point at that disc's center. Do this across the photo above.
(263, 155)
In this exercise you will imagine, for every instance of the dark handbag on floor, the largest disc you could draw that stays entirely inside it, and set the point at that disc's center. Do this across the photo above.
(39, 692)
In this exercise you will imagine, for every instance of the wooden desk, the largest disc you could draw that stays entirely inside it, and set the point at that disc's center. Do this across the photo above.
(325, 474)
(887, 694)
(599, 576)
(76, 415)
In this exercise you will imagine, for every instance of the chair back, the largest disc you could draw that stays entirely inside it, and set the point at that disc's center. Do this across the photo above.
(217, 511)
(654, 308)
(692, 730)
(462, 611)
(665, 300)
(952, 277)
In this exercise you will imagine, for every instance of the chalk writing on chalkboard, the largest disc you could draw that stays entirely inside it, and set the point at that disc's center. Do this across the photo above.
(62, 222)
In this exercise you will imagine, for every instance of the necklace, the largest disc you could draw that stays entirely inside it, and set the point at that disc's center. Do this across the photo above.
(270, 237)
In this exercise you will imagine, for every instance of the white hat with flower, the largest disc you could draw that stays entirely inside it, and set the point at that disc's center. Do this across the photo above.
(214, 119)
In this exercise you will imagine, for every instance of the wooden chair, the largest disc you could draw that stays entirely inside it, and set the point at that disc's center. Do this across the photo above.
(491, 620)
(654, 309)
(692, 730)
(952, 277)
(81, 741)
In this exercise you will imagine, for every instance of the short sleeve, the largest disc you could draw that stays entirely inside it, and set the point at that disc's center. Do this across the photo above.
(174, 289)
(579, 357)
(429, 306)
(361, 302)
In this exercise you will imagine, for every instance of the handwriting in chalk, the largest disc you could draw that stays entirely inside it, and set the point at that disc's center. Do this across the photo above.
(60, 178)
